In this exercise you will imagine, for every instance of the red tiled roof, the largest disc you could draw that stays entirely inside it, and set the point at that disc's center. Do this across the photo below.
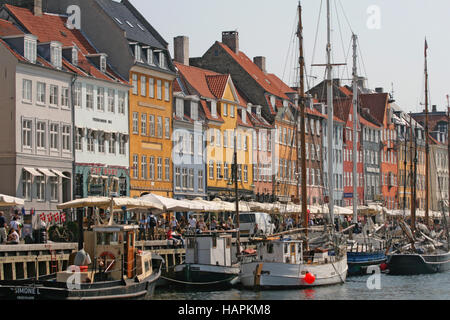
(283, 87)
(342, 108)
(346, 91)
(367, 123)
(176, 86)
(9, 29)
(376, 103)
(208, 114)
(197, 79)
(217, 84)
(50, 27)
(241, 123)
(268, 83)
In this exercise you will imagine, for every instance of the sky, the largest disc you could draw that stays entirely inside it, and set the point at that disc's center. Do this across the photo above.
(391, 37)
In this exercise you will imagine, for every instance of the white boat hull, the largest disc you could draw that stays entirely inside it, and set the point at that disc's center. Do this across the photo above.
(283, 275)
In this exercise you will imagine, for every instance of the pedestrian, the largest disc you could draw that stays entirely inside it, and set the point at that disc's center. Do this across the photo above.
(192, 223)
(142, 227)
(177, 236)
(3, 225)
(173, 223)
(213, 226)
(152, 224)
(230, 224)
(13, 237)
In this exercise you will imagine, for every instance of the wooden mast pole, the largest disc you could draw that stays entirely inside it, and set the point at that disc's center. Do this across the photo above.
(236, 190)
(413, 178)
(427, 143)
(302, 124)
(355, 130)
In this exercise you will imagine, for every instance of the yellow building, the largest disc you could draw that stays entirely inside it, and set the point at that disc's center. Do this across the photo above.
(151, 132)
(227, 122)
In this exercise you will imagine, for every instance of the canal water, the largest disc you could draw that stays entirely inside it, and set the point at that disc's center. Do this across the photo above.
(422, 287)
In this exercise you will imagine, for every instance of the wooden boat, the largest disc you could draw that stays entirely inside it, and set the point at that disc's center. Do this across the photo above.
(359, 258)
(209, 262)
(118, 272)
(283, 264)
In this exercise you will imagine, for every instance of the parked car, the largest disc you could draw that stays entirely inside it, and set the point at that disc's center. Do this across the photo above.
(256, 224)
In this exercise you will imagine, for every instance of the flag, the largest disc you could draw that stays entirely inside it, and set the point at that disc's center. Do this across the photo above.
(49, 217)
(63, 217)
(42, 216)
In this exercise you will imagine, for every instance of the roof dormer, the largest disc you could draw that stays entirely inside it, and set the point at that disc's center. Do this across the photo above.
(56, 54)
(71, 54)
(30, 48)
(99, 60)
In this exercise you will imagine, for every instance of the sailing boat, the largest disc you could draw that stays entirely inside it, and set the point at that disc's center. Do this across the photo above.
(287, 263)
(422, 255)
(366, 252)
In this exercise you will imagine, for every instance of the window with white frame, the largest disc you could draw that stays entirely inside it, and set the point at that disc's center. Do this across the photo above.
(135, 123)
(56, 55)
(152, 125)
(54, 134)
(211, 170)
(184, 178)
(151, 87)
(122, 101)
(101, 99)
(112, 146)
(226, 171)
(160, 169)
(225, 110)
(167, 169)
(40, 188)
(111, 100)
(143, 86)
(103, 63)
(191, 179)
(177, 178)
(122, 147)
(214, 108)
(66, 138)
(219, 170)
(41, 93)
(144, 167)
(200, 180)
(134, 83)
(26, 185)
(27, 90)
(53, 95)
(179, 111)
(41, 135)
(167, 129)
(53, 181)
(90, 143)
(79, 141)
(162, 60)
(149, 56)
(245, 173)
(101, 143)
(75, 56)
(159, 89)
(137, 53)
(65, 97)
(144, 124)
(232, 108)
(30, 48)
(166, 91)
(89, 96)
(159, 127)
(26, 133)
(135, 166)
(152, 168)
(200, 145)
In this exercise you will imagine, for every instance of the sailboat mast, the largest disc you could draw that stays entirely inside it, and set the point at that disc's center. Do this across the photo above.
(302, 124)
(330, 130)
(236, 190)
(355, 130)
(413, 179)
(427, 142)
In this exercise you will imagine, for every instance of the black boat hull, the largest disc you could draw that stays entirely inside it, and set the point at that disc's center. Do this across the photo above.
(50, 290)
(413, 264)
(358, 262)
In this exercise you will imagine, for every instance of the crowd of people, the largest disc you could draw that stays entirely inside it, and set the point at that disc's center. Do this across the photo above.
(10, 234)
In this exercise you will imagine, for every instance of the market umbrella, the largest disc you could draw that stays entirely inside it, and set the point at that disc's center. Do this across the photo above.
(170, 204)
(8, 201)
(105, 203)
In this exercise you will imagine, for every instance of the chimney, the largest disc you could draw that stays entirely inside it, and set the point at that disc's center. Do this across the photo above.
(337, 82)
(379, 90)
(181, 49)
(261, 63)
(231, 39)
(37, 8)
(434, 108)
(361, 83)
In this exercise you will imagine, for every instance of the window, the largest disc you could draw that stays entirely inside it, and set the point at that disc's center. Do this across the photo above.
(167, 169)
(200, 145)
(122, 146)
(26, 134)
(112, 146)
(211, 170)
(191, 179)
(137, 51)
(40, 135)
(200, 180)
(65, 97)
(90, 144)
(101, 143)
(214, 109)
(177, 178)
(167, 129)
(135, 166)
(184, 178)
(144, 167)
(75, 56)
(103, 63)
(101, 99)
(54, 133)
(232, 111)
(53, 189)
(53, 95)
(218, 138)
(135, 122)
(159, 89)
(219, 170)
(226, 171)
(111, 100)
(167, 91)
(90, 96)
(134, 81)
(143, 124)
(159, 169)
(152, 168)
(149, 56)
(30, 51)
(26, 185)
(162, 60)
(151, 87)
(26, 90)
(225, 109)
(143, 86)
(245, 173)
(66, 138)
(159, 127)
(56, 55)
(41, 99)
(122, 99)
(152, 125)
(40, 188)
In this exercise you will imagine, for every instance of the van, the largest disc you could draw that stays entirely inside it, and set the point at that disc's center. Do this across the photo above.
(256, 224)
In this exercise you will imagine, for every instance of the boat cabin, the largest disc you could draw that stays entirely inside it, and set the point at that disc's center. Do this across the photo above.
(282, 251)
(209, 249)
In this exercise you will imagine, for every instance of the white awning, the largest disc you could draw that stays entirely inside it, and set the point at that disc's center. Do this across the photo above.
(60, 174)
(33, 172)
(47, 172)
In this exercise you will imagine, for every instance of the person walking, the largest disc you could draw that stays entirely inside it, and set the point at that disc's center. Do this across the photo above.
(3, 225)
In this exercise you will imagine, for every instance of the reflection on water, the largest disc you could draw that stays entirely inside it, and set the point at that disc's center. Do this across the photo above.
(426, 287)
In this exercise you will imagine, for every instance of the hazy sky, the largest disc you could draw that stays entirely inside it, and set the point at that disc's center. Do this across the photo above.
(392, 47)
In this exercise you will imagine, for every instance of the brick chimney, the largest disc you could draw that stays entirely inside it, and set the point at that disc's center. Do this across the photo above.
(37, 8)
(231, 39)
(261, 63)
(379, 90)
(181, 49)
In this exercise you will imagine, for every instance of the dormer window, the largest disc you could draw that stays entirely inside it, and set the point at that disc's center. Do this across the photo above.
(75, 56)
(214, 109)
(149, 55)
(30, 48)
(180, 108)
(194, 110)
(162, 60)
(258, 110)
(103, 63)
(272, 101)
(244, 116)
(137, 52)
(56, 54)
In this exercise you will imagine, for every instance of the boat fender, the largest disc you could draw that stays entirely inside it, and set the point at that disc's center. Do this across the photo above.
(309, 278)
(383, 266)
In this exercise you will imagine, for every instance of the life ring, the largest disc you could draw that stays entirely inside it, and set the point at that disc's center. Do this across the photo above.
(109, 255)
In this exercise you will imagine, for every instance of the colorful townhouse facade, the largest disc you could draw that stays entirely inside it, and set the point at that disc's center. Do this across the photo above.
(140, 55)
